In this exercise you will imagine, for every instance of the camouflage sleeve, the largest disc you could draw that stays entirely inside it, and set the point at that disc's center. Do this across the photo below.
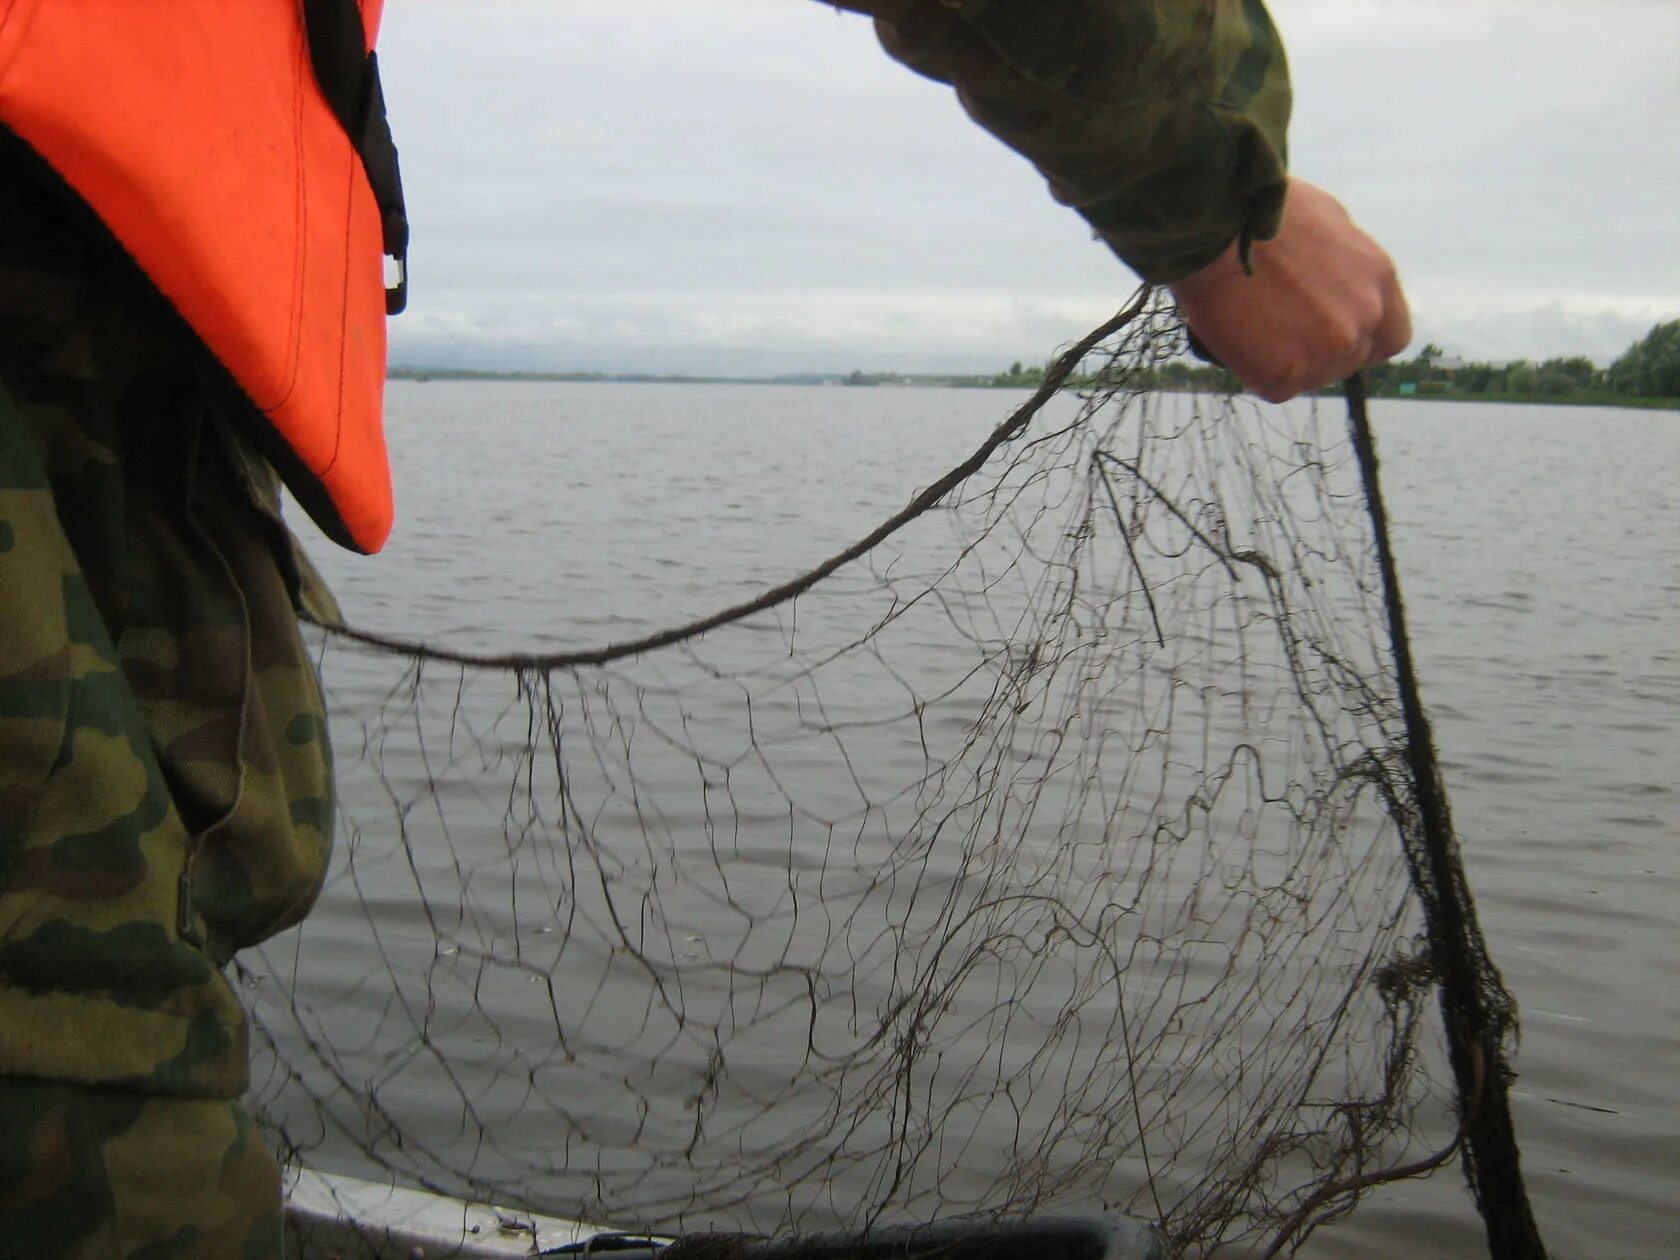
(1161, 121)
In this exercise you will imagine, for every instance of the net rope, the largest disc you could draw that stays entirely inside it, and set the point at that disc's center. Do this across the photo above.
(1055, 847)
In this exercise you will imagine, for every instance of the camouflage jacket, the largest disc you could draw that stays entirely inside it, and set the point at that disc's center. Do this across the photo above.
(1161, 121)
(165, 780)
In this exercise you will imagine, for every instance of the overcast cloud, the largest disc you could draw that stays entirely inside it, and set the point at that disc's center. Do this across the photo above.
(751, 186)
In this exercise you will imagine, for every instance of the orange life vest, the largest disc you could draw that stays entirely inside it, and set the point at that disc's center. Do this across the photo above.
(200, 134)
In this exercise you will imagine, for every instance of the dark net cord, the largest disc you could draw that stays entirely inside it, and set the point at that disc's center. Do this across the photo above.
(1478, 1011)
(920, 504)
(1070, 842)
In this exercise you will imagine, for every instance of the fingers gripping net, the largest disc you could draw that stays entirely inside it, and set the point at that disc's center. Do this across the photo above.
(1040, 856)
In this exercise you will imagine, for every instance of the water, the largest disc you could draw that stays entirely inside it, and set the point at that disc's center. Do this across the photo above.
(1537, 550)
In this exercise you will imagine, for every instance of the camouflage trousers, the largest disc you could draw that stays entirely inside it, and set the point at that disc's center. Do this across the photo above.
(165, 777)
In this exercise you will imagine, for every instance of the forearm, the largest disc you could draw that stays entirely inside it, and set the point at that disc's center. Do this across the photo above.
(1161, 121)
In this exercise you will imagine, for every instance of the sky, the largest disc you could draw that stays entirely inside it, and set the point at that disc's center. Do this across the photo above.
(751, 187)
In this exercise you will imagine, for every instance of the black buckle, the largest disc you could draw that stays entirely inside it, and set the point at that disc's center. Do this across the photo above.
(396, 294)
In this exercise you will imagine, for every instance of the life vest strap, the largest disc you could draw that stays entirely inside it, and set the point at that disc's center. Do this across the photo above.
(349, 76)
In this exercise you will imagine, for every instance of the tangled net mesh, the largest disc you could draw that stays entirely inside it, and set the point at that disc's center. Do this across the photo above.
(1046, 855)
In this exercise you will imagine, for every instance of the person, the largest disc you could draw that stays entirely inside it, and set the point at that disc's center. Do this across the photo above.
(191, 308)
(1176, 156)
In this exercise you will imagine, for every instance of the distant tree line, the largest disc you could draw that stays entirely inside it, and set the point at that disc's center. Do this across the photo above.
(1648, 369)
(1426, 374)
(1177, 375)
(1018, 377)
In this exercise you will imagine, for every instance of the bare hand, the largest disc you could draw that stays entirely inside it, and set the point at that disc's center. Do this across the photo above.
(1323, 302)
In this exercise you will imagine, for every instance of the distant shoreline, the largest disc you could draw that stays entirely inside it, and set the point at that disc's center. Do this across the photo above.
(952, 381)
(936, 380)
(1626, 401)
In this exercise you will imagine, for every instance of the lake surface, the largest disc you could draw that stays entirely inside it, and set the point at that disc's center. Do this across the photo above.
(1538, 552)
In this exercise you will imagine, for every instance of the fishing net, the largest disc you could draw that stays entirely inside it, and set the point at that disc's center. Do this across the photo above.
(1058, 846)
